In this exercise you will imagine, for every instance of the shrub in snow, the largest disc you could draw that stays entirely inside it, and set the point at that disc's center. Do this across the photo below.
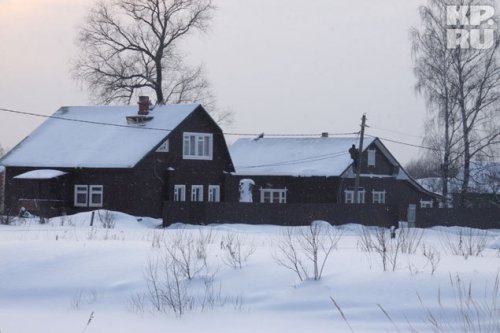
(463, 241)
(306, 249)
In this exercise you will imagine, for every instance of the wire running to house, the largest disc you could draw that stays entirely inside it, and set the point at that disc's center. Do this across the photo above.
(297, 161)
(229, 134)
(167, 130)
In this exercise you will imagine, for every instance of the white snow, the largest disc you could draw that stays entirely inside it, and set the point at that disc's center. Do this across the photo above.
(54, 276)
(85, 143)
(293, 156)
(246, 187)
(41, 174)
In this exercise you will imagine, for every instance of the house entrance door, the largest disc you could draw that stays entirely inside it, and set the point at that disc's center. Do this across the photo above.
(412, 215)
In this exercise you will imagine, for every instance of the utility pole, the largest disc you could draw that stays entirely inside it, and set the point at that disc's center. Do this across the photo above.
(360, 158)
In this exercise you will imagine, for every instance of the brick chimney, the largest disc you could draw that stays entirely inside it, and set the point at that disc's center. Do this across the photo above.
(144, 104)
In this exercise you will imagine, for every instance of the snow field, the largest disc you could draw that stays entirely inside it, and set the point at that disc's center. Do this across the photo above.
(53, 276)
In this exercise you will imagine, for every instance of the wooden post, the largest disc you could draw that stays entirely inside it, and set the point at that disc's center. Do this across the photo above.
(92, 219)
(360, 159)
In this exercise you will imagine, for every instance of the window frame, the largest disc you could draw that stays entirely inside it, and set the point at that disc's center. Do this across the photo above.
(372, 153)
(426, 203)
(191, 149)
(164, 147)
(81, 189)
(93, 190)
(180, 189)
(213, 193)
(196, 193)
(381, 195)
(361, 196)
(271, 191)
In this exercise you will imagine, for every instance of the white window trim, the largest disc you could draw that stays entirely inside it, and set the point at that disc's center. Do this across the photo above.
(163, 148)
(381, 194)
(350, 194)
(187, 154)
(214, 193)
(81, 189)
(371, 157)
(182, 190)
(426, 203)
(271, 191)
(197, 189)
(96, 189)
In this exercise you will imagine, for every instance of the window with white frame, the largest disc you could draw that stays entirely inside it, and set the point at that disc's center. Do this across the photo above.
(89, 195)
(426, 203)
(81, 196)
(349, 196)
(214, 193)
(96, 195)
(198, 146)
(273, 195)
(163, 148)
(197, 193)
(371, 157)
(180, 193)
(378, 197)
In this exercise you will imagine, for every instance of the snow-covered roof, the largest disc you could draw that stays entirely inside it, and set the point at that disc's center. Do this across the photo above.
(293, 156)
(41, 174)
(86, 142)
(484, 177)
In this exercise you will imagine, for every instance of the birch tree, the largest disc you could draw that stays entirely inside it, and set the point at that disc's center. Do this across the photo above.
(460, 81)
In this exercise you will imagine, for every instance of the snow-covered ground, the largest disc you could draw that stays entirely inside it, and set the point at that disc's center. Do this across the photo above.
(66, 276)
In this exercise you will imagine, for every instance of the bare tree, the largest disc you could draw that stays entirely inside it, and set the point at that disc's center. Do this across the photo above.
(131, 47)
(433, 72)
(460, 84)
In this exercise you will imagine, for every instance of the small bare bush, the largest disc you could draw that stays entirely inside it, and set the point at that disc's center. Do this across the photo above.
(465, 242)
(380, 240)
(410, 238)
(433, 257)
(81, 299)
(107, 218)
(302, 249)
(237, 251)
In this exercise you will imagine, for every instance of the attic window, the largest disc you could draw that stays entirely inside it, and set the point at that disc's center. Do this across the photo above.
(198, 146)
(371, 157)
(163, 148)
(138, 119)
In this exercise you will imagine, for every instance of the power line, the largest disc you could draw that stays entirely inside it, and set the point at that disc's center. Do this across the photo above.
(163, 129)
(229, 134)
(404, 143)
(397, 132)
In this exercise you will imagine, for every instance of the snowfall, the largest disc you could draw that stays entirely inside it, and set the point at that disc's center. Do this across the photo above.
(125, 274)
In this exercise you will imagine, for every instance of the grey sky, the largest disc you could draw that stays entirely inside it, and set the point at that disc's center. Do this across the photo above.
(283, 66)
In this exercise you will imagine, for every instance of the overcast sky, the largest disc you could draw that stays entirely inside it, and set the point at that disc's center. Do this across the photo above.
(282, 66)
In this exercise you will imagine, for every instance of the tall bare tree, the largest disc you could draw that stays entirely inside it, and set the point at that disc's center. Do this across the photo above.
(460, 81)
(131, 47)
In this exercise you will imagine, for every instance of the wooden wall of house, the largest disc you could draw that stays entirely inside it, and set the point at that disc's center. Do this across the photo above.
(331, 189)
(382, 165)
(175, 170)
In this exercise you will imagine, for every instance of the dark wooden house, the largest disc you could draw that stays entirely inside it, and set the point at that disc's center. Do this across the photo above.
(320, 170)
(123, 158)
